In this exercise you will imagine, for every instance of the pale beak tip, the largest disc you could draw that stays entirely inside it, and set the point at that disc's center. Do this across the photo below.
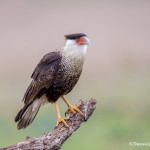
(87, 41)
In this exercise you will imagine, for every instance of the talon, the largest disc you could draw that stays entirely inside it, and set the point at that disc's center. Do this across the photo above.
(78, 105)
(74, 109)
(59, 120)
(71, 109)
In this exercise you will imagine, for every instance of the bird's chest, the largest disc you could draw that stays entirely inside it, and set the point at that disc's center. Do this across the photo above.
(72, 66)
(68, 74)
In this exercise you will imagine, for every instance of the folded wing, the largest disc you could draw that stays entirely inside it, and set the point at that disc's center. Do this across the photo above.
(43, 76)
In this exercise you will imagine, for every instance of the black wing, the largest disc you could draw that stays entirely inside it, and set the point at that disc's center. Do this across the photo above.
(43, 76)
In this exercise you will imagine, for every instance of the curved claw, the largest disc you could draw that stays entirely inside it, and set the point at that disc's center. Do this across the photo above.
(59, 120)
(74, 109)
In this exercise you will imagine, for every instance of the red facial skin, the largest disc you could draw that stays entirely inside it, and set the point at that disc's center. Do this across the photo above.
(81, 40)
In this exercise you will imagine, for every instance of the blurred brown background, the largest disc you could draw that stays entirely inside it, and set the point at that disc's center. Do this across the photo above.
(116, 71)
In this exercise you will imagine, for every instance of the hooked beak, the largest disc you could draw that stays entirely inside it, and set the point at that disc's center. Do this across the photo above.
(87, 41)
(83, 41)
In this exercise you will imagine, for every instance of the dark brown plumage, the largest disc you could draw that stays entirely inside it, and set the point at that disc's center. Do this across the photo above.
(55, 76)
(74, 36)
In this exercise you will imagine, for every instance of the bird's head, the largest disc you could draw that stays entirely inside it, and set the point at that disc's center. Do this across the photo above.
(78, 41)
(78, 38)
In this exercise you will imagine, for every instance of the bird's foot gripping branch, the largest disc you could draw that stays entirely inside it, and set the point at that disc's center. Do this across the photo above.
(55, 138)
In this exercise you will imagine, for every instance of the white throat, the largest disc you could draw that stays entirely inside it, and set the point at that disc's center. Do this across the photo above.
(72, 47)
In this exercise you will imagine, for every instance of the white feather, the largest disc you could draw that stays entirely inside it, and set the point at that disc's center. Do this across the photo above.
(72, 47)
(38, 102)
(43, 99)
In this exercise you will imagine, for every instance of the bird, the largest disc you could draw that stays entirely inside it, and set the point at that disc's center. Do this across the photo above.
(54, 77)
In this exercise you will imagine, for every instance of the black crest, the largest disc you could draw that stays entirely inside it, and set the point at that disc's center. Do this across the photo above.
(74, 36)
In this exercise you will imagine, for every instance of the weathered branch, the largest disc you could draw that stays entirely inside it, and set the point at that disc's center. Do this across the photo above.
(54, 139)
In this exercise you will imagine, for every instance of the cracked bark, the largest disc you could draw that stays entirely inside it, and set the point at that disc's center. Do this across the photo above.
(55, 138)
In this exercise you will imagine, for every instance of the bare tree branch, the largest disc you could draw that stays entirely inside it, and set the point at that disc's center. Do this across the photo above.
(54, 139)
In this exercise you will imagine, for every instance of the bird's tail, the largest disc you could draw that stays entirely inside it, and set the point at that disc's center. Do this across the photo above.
(27, 114)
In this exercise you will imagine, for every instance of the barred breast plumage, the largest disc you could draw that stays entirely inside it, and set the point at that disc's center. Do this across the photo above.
(67, 76)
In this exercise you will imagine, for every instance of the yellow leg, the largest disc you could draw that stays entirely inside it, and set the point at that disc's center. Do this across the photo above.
(59, 119)
(72, 108)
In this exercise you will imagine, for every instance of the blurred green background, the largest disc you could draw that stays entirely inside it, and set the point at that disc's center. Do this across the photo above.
(116, 71)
